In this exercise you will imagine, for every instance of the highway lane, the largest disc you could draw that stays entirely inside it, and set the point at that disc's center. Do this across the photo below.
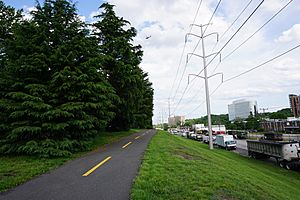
(107, 173)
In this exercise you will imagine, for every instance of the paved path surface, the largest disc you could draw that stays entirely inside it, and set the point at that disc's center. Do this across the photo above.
(112, 180)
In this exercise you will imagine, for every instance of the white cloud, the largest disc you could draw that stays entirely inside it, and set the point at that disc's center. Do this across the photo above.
(93, 14)
(82, 18)
(274, 5)
(293, 34)
(27, 10)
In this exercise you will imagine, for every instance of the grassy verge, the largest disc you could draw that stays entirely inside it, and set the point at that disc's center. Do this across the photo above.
(15, 170)
(177, 168)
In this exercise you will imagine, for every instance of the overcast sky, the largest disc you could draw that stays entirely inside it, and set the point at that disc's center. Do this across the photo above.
(168, 21)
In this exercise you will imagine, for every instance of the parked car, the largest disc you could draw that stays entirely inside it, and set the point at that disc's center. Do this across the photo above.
(199, 137)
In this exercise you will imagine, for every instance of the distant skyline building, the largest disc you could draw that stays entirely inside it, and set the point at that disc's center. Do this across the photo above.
(241, 109)
(176, 120)
(295, 104)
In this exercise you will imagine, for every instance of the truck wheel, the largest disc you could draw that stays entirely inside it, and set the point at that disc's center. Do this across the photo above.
(250, 154)
(289, 166)
(282, 164)
(254, 155)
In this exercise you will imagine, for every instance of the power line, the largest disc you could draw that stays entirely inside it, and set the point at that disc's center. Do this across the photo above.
(254, 11)
(212, 16)
(232, 36)
(216, 8)
(183, 50)
(202, 103)
(245, 72)
(268, 21)
(224, 33)
(210, 20)
(180, 100)
(262, 64)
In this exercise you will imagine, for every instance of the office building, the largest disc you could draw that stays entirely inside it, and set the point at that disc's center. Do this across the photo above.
(295, 104)
(176, 120)
(242, 109)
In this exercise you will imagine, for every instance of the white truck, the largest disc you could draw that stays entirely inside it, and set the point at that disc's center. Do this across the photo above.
(287, 154)
(226, 141)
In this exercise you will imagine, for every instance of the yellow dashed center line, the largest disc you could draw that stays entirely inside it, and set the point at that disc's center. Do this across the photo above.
(137, 137)
(94, 168)
(123, 147)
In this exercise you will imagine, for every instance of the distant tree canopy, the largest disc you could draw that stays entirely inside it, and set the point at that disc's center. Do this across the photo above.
(215, 119)
(281, 114)
(61, 82)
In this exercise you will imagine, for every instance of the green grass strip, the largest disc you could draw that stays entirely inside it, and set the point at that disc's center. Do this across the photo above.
(178, 168)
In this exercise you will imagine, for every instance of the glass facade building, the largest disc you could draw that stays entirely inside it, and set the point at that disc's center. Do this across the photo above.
(242, 109)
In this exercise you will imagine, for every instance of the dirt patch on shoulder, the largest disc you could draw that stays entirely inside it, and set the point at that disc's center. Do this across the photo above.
(182, 153)
(8, 174)
(223, 195)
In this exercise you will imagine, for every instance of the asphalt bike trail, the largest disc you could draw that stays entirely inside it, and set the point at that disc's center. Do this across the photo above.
(106, 173)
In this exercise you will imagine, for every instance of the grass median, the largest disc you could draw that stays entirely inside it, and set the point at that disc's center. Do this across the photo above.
(178, 168)
(15, 170)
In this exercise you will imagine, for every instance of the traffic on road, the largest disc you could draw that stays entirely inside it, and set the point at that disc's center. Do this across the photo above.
(276, 148)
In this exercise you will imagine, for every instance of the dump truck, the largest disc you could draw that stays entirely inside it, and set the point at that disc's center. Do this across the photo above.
(286, 153)
(226, 141)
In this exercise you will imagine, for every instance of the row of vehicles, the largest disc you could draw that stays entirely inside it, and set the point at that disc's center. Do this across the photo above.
(286, 153)
(222, 140)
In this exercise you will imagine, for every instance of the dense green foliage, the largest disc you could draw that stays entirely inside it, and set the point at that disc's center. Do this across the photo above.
(59, 85)
(177, 168)
(280, 114)
(121, 63)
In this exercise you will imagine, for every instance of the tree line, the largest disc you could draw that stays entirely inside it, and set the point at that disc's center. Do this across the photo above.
(62, 81)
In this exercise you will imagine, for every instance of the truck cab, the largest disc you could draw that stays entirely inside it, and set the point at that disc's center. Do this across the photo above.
(230, 144)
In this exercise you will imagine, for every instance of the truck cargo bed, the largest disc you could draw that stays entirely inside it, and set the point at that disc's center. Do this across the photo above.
(277, 149)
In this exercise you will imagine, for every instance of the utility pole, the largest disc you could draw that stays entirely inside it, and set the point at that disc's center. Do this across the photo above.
(202, 36)
(207, 92)
(169, 107)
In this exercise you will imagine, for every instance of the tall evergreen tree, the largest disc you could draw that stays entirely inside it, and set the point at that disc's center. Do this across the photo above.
(8, 18)
(121, 63)
(60, 97)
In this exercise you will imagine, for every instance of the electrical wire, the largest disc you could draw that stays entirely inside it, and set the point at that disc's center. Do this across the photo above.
(247, 71)
(231, 38)
(262, 64)
(224, 33)
(183, 50)
(203, 102)
(254, 11)
(216, 8)
(268, 21)
(258, 66)
(239, 15)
